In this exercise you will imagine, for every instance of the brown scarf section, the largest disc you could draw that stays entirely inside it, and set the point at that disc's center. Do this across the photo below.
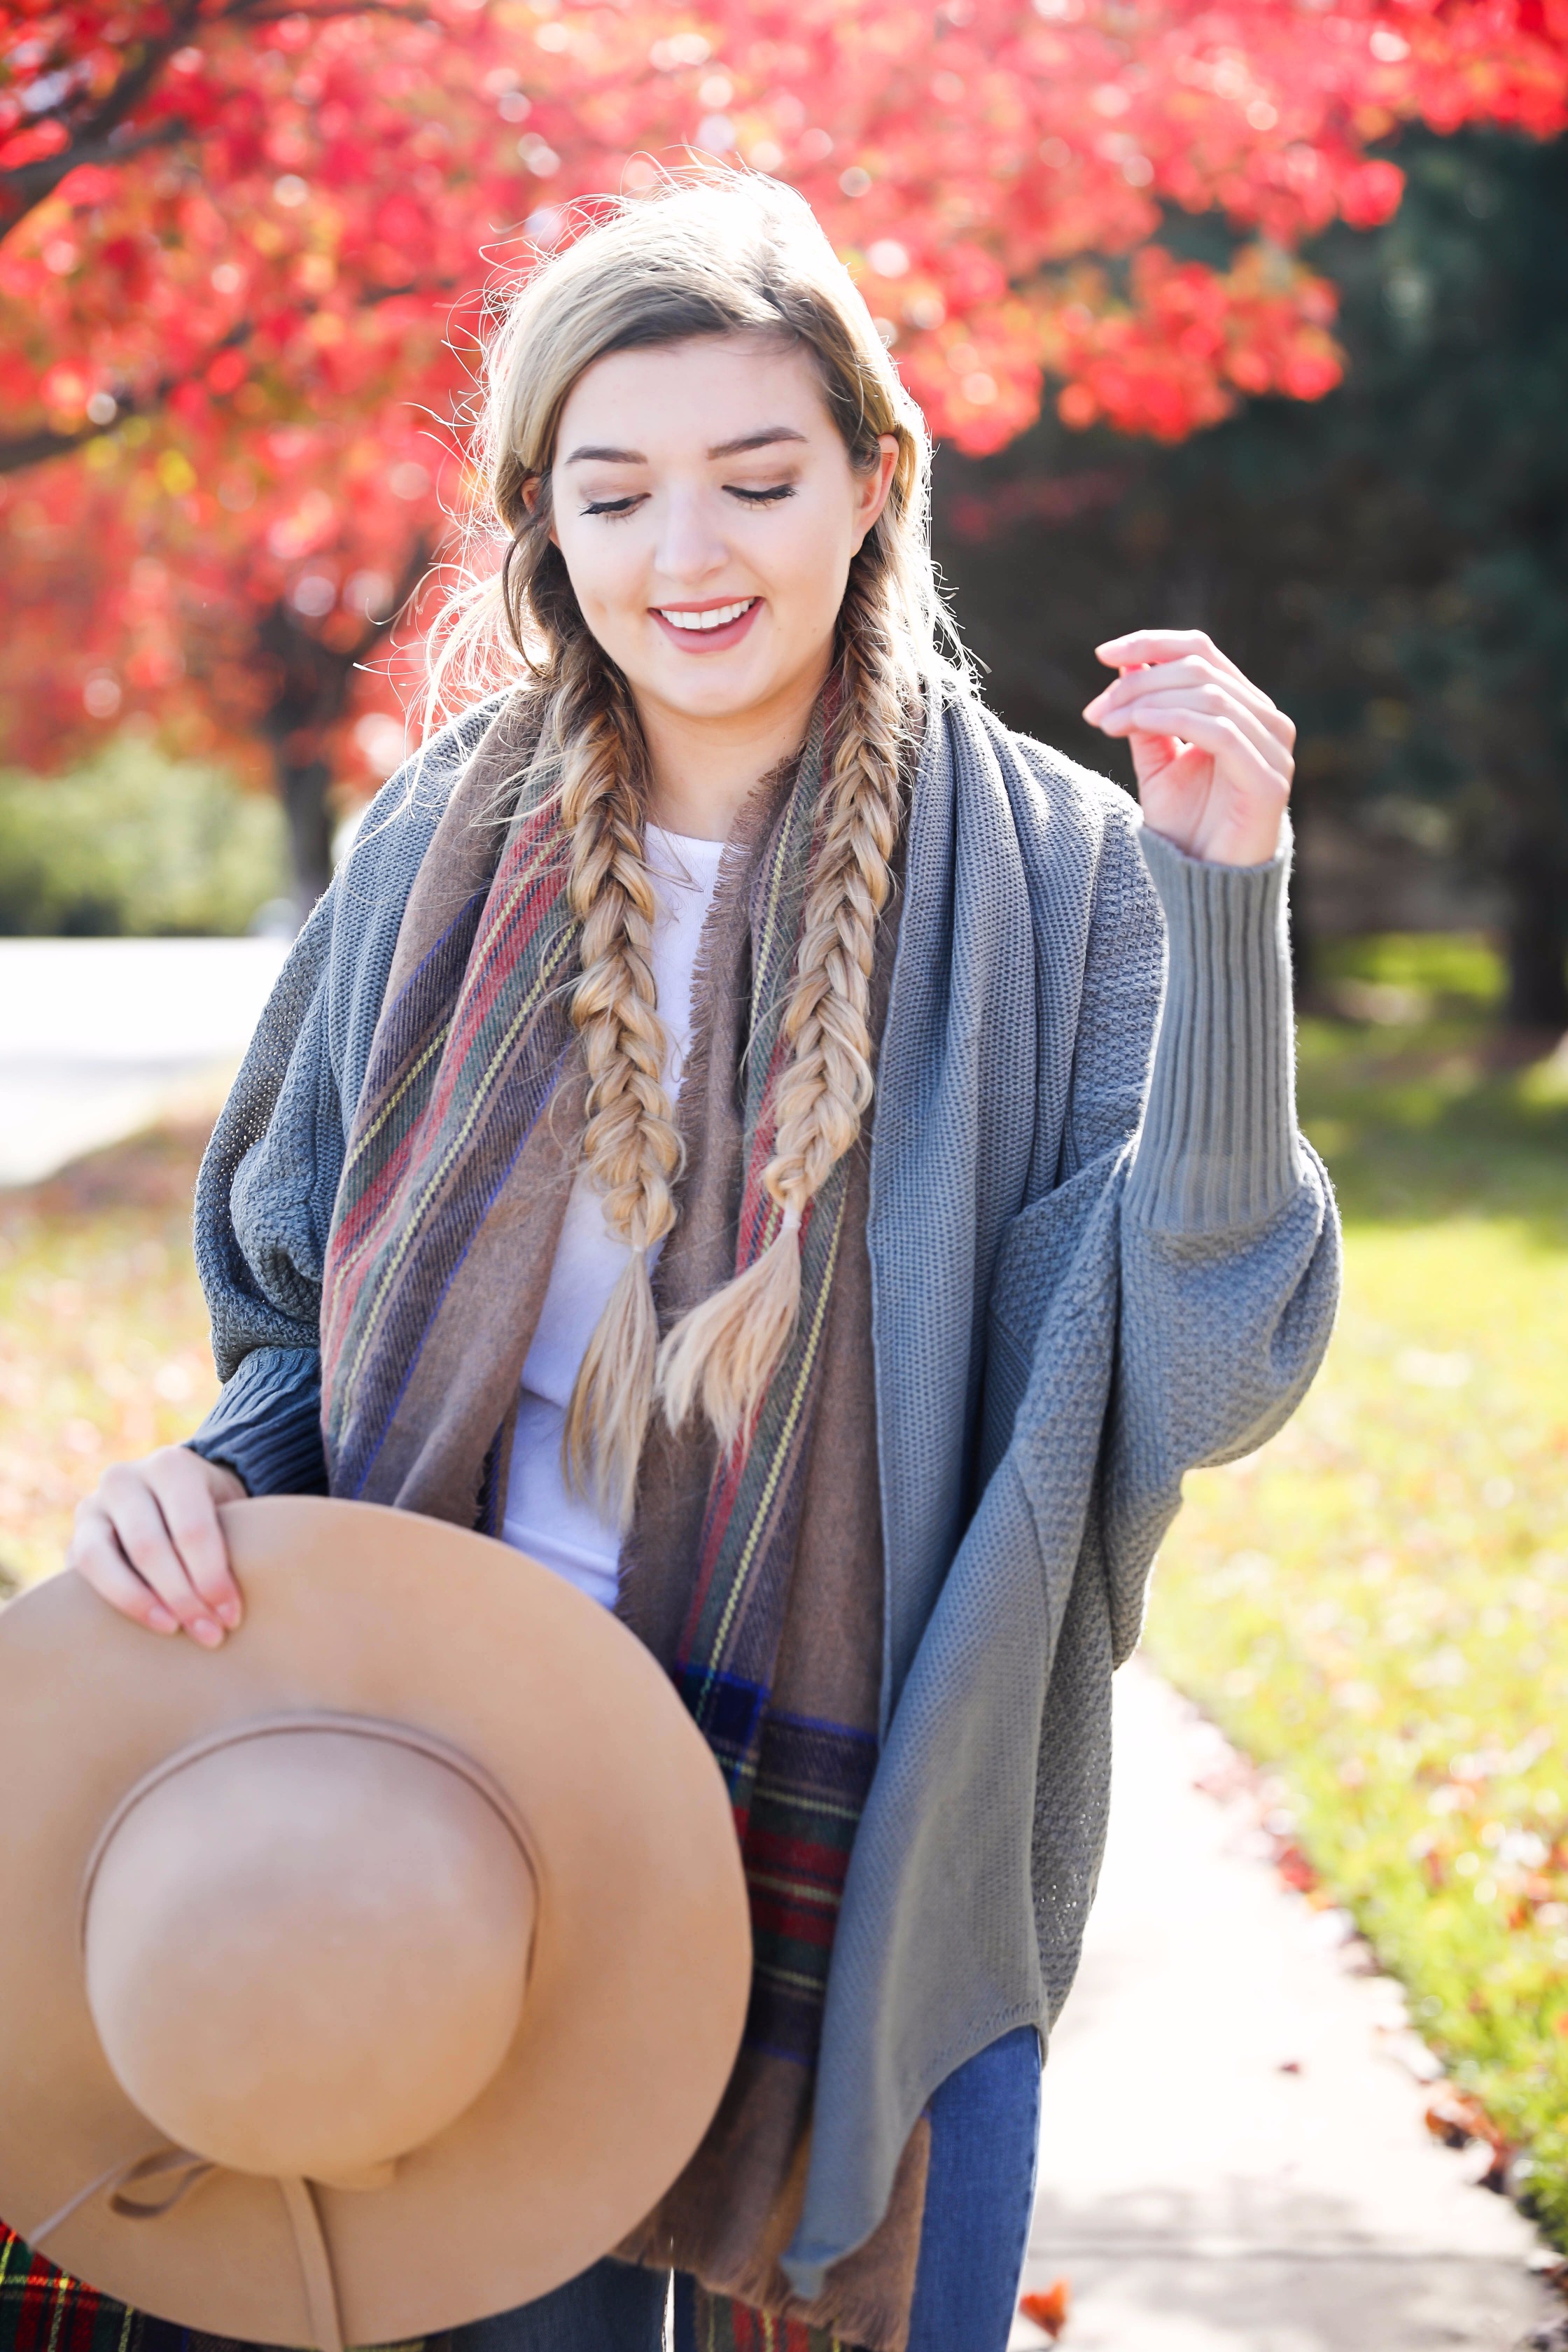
(732, 2213)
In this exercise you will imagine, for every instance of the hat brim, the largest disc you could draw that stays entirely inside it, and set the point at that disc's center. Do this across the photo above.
(637, 1993)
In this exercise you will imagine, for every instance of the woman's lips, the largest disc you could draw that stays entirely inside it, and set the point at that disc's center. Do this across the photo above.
(709, 641)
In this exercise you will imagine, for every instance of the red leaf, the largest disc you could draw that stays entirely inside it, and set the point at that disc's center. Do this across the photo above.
(1049, 2309)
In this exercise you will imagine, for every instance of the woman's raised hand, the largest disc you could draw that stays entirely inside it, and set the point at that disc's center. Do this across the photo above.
(1212, 754)
(149, 1540)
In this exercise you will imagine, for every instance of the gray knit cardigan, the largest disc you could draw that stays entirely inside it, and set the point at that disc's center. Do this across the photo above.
(1101, 1253)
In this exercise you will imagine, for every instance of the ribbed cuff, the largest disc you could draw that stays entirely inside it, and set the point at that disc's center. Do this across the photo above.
(266, 1424)
(1219, 1146)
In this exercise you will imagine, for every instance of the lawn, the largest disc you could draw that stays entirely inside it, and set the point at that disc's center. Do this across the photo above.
(1376, 1604)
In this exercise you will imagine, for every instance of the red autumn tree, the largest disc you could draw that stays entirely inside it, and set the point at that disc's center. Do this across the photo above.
(239, 283)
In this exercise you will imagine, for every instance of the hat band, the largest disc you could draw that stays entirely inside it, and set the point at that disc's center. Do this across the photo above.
(186, 2172)
(266, 1727)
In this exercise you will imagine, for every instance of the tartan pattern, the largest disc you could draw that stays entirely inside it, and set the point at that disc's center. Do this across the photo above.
(747, 1546)
(463, 1061)
(796, 1788)
(43, 2310)
(811, 1784)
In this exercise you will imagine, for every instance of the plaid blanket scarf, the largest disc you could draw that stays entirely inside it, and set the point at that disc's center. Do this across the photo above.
(754, 1576)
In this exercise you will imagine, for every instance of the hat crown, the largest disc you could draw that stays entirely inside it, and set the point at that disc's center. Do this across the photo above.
(307, 1946)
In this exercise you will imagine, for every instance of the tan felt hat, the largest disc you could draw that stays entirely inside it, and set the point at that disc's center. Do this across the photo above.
(373, 1974)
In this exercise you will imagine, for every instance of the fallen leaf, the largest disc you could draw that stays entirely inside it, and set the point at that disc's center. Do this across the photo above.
(1048, 2310)
(1455, 2117)
(1295, 1869)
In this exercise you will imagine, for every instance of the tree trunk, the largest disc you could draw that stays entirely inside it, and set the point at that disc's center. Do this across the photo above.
(311, 684)
(1537, 879)
(1533, 791)
(303, 785)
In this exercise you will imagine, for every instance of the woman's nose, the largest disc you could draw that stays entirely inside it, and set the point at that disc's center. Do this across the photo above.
(690, 546)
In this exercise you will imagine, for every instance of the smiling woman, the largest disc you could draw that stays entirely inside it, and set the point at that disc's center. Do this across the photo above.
(814, 1170)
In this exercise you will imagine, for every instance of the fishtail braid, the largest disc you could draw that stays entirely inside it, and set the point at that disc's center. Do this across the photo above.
(630, 1143)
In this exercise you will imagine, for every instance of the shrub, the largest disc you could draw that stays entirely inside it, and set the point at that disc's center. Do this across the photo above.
(136, 842)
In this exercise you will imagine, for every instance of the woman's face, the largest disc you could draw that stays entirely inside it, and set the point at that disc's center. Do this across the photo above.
(707, 512)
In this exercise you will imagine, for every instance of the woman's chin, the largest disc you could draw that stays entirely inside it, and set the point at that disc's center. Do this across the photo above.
(716, 686)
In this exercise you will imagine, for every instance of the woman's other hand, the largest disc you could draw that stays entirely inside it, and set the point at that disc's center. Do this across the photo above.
(1212, 754)
(148, 1539)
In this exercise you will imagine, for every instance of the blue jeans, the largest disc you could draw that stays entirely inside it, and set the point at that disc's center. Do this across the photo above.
(980, 2193)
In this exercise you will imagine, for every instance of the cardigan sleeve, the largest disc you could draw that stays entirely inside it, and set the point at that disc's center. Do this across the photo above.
(264, 1201)
(1229, 1257)
(1220, 1148)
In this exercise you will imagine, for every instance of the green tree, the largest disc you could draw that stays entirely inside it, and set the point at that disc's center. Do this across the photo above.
(1391, 562)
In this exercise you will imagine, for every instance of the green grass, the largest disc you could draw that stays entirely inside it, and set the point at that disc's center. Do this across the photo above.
(1376, 1604)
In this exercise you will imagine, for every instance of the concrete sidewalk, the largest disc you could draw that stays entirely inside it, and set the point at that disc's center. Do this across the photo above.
(100, 1038)
(1233, 2154)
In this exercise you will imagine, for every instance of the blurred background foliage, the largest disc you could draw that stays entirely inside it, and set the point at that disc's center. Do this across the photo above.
(135, 843)
(1391, 563)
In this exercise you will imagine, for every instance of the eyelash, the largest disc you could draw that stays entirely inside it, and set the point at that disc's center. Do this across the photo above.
(615, 510)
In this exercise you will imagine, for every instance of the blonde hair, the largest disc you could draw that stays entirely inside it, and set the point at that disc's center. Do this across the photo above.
(716, 252)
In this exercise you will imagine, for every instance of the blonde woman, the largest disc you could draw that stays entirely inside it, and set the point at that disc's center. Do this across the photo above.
(811, 1167)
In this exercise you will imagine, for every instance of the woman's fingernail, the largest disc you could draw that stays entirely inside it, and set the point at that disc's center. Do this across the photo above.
(229, 1613)
(159, 1620)
(207, 1632)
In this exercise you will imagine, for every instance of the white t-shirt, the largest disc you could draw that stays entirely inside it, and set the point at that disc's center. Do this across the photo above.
(543, 1518)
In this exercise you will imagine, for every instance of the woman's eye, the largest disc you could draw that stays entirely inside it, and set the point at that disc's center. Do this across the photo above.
(614, 508)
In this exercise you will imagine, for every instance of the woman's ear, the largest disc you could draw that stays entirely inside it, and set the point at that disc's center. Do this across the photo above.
(533, 491)
(873, 487)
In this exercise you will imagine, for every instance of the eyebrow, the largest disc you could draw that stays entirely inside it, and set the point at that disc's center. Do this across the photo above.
(592, 452)
(762, 440)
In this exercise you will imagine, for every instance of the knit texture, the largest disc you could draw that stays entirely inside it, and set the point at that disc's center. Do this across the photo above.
(1096, 1264)
(1220, 1149)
